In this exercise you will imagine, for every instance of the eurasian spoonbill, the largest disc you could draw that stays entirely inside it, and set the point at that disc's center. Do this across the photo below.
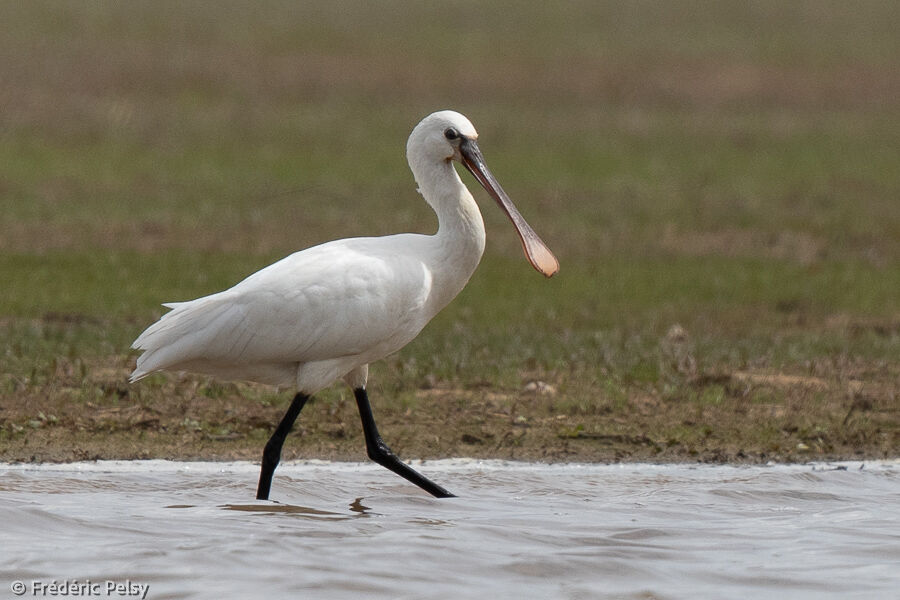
(326, 312)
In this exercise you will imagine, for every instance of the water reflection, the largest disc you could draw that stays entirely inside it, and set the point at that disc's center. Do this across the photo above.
(358, 507)
(275, 508)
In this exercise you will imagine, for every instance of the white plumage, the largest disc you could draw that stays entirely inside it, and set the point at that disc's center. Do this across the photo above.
(326, 312)
(306, 320)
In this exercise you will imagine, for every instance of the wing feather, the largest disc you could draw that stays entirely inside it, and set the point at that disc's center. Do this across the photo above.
(344, 298)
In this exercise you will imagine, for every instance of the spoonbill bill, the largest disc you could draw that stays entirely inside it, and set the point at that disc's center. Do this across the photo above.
(325, 313)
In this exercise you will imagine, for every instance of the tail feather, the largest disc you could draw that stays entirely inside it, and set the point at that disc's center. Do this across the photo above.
(179, 335)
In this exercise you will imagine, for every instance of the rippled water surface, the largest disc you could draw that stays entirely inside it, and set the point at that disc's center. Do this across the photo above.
(338, 530)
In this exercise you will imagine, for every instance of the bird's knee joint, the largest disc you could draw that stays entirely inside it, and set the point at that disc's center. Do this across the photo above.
(379, 453)
(271, 453)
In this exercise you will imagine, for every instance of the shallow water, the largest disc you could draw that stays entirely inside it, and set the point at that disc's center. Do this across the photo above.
(518, 530)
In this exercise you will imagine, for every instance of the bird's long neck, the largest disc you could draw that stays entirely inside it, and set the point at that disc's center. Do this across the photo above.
(459, 241)
(460, 226)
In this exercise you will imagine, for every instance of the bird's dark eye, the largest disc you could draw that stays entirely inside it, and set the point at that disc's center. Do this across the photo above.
(451, 134)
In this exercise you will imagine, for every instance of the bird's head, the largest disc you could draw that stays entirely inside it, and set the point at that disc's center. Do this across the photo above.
(445, 136)
(439, 136)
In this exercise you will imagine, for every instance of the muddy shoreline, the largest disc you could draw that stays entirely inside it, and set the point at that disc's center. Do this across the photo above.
(811, 419)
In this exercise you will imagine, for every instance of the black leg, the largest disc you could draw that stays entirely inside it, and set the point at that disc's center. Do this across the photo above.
(272, 453)
(380, 453)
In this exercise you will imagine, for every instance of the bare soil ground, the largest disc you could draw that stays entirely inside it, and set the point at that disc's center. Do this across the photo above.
(742, 416)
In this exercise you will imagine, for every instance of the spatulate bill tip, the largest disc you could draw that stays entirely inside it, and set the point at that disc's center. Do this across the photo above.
(541, 258)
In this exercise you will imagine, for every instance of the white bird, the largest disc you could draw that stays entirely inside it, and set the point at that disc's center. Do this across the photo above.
(325, 313)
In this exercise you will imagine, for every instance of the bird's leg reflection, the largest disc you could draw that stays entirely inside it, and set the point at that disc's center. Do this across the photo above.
(379, 452)
(272, 452)
(358, 507)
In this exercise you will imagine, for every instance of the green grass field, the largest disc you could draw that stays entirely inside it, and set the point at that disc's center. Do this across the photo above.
(720, 181)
